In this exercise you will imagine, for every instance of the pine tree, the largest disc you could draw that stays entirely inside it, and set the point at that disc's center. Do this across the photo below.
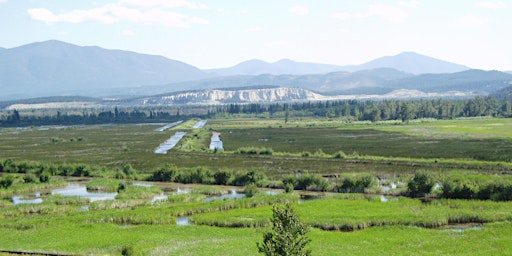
(288, 236)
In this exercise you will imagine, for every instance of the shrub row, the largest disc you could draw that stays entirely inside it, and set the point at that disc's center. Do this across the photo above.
(171, 173)
(462, 186)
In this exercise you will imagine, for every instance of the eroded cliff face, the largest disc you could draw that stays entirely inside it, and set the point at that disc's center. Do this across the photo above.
(232, 96)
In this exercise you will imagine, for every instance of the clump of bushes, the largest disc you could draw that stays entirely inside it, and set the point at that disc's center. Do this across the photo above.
(483, 187)
(421, 184)
(306, 181)
(170, 173)
(356, 184)
(254, 151)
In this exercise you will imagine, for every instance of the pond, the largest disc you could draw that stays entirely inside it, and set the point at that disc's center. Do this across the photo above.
(168, 126)
(183, 221)
(199, 124)
(232, 195)
(36, 199)
(81, 191)
(170, 143)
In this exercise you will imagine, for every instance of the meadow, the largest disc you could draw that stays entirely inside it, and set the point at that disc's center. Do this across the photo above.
(342, 224)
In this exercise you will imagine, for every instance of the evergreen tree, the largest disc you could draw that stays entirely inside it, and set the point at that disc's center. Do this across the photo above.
(288, 236)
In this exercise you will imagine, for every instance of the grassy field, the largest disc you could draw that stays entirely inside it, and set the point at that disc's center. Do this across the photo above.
(81, 232)
(464, 142)
(386, 149)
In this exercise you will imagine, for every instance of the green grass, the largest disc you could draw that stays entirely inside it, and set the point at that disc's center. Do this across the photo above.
(472, 143)
(104, 185)
(387, 149)
(62, 235)
(355, 214)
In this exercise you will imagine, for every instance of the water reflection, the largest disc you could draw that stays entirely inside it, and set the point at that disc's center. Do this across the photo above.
(183, 221)
(16, 200)
(81, 191)
(232, 195)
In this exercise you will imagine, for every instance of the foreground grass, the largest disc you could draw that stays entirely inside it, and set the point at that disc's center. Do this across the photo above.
(492, 239)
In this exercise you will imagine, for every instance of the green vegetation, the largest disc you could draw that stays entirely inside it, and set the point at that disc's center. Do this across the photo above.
(459, 169)
(104, 185)
(288, 235)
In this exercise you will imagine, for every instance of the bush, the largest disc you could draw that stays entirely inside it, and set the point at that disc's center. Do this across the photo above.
(244, 178)
(197, 175)
(222, 177)
(254, 151)
(356, 184)
(127, 250)
(166, 173)
(30, 178)
(8, 180)
(45, 177)
(250, 190)
(421, 184)
(288, 235)
(340, 155)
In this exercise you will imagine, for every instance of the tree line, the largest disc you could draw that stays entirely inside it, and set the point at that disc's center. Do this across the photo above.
(403, 110)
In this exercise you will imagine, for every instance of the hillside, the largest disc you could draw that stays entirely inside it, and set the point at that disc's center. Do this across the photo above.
(282, 67)
(475, 81)
(411, 62)
(375, 81)
(504, 94)
(408, 62)
(57, 68)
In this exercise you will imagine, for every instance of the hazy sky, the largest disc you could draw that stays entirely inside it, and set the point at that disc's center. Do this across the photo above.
(221, 33)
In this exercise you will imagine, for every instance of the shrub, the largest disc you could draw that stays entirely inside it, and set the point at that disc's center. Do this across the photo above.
(222, 177)
(30, 178)
(356, 184)
(250, 190)
(340, 155)
(45, 177)
(127, 250)
(288, 235)
(254, 151)
(166, 173)
(245, 178)
(197, 175)
(421, 184)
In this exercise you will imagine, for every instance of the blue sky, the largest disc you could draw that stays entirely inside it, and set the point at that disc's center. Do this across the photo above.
(222, 33)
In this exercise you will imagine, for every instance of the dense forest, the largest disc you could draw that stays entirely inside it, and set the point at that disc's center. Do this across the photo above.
(403, 110)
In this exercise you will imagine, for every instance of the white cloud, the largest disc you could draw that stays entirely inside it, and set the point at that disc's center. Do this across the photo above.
(127, 33)
(148, 14)
(387, 12)
(470, 20)
(278, 43)
(299, 10)
(492, 5)
(165, 3)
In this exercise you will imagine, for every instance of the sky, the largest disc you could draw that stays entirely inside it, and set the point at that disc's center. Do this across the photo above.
(223, 33)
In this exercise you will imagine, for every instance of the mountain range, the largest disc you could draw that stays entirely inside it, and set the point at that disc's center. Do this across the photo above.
(55, 68)
(409, 62)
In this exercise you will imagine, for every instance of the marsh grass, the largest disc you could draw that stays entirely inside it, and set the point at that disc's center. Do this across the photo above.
(209, 190)
(103, 184)
(360, 213)
(129, 192)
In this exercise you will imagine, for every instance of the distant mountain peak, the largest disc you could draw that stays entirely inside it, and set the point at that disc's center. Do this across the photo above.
(414, 63)
(53, 67)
